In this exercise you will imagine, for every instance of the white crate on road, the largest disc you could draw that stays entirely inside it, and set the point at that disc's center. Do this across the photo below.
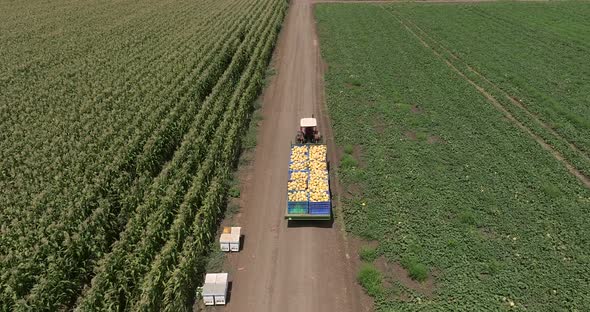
(208, 289)
(225, 241)
(235, 238)
(215, 288)
(230, 238)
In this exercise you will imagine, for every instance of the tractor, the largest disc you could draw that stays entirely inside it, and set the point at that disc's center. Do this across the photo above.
(308, 131)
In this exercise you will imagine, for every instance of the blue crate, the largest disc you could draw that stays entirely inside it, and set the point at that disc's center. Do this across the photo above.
(297, 207)
(301, 207)
(319, 212)
(320, 207)
(322, 211)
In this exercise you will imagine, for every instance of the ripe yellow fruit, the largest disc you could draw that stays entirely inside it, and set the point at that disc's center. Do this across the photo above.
(297, 186)
(318, 184)
(317, 152)
(312, 183)
(319, 197)
(298, 166)
(299, 175)
(299, 153)
(318, 165)
(299, 159)
(298, 196)
(297, 181)
(318, 174)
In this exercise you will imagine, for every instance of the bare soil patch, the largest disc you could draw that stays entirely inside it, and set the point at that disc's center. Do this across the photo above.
(369, 243)
(358, 155)
(411, 135)
(338, 153)
(435, 139)
(379, 125)
(352, 190)
(487, 232)
(396, 272)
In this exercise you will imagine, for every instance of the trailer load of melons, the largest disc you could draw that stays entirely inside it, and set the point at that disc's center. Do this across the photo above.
(308, 187)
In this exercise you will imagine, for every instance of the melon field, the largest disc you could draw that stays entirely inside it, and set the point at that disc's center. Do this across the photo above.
(121, 124)
(465, 131)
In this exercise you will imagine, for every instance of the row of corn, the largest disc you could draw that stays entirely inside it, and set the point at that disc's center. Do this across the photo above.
(308, 178)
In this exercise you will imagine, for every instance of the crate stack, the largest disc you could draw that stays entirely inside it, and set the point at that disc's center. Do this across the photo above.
(230, 238)
(297, 195)
(319, 185)
(308, 185)
(215, 289)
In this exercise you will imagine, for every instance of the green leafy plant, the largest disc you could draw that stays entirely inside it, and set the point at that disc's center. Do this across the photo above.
(371, 280)
(348, 149)
(489, 207)
(368, 254)
(348, 161)
(416, 270)
(234, 192)
(148, 177)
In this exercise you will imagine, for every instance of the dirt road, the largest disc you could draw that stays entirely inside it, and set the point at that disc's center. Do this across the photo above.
(285, 266)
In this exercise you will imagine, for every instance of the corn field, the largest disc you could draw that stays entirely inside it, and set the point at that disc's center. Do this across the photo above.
(121, 124)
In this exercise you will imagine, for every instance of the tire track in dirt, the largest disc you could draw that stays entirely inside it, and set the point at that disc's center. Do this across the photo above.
(510, 98)
(556, 154)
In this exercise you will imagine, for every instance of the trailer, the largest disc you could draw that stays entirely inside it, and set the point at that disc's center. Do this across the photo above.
(308, 187)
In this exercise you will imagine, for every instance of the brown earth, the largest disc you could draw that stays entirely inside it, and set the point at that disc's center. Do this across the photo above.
(434, 139)
(396, 272)
(297, 266)
(411, 135)
(379, 125)
(357, 153)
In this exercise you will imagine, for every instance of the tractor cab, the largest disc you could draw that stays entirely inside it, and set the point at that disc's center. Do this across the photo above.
(308, 131)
